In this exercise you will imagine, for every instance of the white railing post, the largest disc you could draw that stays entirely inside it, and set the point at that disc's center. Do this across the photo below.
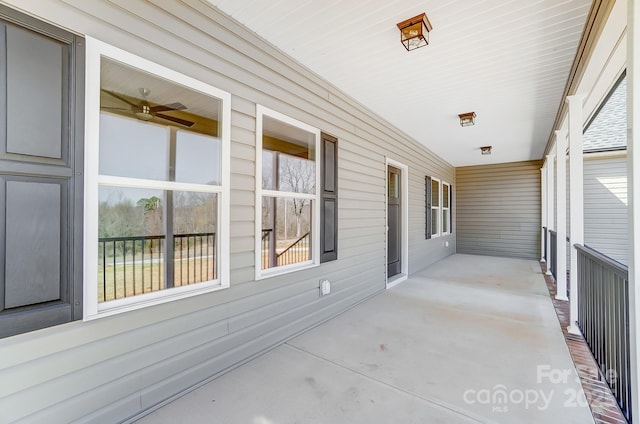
(633, 138)
(561, 215)
(543, 209)
(550, 205)
(576, 201)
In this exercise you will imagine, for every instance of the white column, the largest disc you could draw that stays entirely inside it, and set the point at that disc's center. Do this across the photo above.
(543, 209)
(550, 202)
(576, 200)
(633, 176)
(561, 215)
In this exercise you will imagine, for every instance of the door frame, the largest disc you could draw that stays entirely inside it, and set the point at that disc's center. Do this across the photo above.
(404, 217)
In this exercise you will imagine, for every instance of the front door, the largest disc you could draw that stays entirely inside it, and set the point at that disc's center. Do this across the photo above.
(394, 223)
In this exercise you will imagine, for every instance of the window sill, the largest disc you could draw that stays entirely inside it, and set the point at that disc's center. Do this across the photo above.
(286, 269)
(114, 307)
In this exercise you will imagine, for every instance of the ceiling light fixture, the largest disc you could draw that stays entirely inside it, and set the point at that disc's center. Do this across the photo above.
(467, 119)
(485, 150)
(414, 32)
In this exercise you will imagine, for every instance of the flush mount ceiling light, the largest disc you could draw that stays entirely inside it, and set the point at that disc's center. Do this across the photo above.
(485, 150)
(467, 119)
(414, 32)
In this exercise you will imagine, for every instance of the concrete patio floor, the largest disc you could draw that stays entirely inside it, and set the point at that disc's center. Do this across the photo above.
(469, 339)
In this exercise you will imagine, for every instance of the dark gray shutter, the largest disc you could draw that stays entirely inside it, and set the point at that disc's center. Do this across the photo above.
(41, 104)
(427, 210)
(329, 199)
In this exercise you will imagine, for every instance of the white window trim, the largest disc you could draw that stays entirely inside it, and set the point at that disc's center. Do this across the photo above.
(92, 309)
(442, 207)
(260, 274)
(437, 210)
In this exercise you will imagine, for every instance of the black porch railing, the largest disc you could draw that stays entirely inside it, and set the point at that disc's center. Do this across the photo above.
(298, 251)
(128, 266)
(603, 318)
(544, 231)
(553, 257)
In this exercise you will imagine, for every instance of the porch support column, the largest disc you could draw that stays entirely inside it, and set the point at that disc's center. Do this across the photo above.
(633, 157)
(561, 240)
(543, 209)
(576, 202)
(550, 203)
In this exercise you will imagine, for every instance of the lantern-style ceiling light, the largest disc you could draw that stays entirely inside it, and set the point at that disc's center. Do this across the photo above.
(467, 119)
(485, 150)
(414, 32)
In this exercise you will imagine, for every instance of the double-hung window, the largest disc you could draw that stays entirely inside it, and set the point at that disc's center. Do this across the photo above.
(157, 183)
(288, 194)
(446, 208)
(438, 214)
(435, 207)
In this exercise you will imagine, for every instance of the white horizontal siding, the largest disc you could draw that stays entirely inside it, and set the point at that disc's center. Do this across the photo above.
(605, 205)
(113, 368)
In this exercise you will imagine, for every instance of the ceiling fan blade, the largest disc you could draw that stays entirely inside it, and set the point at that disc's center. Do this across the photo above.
(174, 119)
(115, 108)
(119, 97)
(171, 106)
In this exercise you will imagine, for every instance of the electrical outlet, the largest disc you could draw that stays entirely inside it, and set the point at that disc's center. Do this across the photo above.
(325, 287)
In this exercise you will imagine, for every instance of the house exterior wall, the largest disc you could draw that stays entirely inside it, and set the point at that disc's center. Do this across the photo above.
(499, 209)
(605, 204)
(112, 368)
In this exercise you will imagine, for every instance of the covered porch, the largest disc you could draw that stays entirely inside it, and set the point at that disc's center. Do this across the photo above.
(468, 339)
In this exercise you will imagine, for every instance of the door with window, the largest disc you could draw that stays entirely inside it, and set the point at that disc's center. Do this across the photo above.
(394, 223)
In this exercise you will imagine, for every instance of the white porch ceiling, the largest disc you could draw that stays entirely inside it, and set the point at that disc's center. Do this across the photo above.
(506, 60)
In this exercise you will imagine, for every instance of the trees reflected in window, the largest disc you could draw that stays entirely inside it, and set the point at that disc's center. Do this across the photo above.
(289, 194)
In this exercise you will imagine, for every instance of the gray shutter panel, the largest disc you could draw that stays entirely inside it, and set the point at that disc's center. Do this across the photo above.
(329, 199)
(427, 211)
(42, 75)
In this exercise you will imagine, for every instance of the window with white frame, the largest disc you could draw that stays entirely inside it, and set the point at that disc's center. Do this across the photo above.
(435, 207)
(287, 219)
(446, 208)
(438, 215)
(157, 183)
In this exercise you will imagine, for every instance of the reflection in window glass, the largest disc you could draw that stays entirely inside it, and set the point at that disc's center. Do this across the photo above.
(288, 161)
(445, 220)
(296, 175)
(136, 241)
(286, 231)
(435, 193)
(434, 222)
(268, 179)
(435, 208)
(197, 158)
(155, 129)
(194, 239)
(445, 195)
(132, 148)
(446, 203)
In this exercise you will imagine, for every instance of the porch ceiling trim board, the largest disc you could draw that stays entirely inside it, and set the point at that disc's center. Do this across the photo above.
(596, 21)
